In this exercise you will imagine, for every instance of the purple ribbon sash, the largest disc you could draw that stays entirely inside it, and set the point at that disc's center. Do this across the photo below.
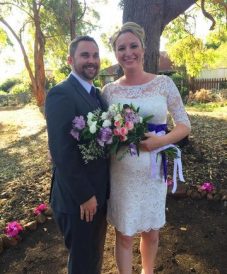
(158, 128)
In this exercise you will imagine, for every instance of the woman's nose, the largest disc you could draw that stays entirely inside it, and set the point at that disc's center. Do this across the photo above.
(128, 51)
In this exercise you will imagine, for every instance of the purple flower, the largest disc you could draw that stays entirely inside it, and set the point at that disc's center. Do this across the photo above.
(79, 123)
(132, 117)
(104, 136)
(75, 133)
(132, 149)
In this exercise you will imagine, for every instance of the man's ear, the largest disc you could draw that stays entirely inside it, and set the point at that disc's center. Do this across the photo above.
(70, 60)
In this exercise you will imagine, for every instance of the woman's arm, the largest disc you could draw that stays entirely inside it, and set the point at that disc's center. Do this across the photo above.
(153, 141)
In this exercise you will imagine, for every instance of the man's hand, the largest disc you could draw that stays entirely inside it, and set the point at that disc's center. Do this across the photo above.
(88, 209)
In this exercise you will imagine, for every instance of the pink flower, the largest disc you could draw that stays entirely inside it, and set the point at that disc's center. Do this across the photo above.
(123, 131)
(40, 208)
(207, 186)
(13, 229)
(123, 138)
(129, 125)
(169, 182)
(117, 123)
(116, 131)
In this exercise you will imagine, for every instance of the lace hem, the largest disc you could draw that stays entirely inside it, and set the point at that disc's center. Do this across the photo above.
(136, 231)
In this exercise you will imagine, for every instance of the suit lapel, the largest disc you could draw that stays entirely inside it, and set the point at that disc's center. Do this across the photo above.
(81, 91)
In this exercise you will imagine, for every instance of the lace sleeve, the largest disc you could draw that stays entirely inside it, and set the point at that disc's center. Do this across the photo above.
(175, 104)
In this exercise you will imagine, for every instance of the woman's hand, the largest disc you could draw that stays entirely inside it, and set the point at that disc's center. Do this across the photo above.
(152, 142)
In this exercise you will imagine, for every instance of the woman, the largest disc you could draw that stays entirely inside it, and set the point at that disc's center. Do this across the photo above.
(137, 199)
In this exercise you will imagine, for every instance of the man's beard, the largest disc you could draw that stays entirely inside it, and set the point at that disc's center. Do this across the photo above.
(86, 75)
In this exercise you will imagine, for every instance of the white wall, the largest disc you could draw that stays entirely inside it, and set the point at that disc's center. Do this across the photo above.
(213, 73)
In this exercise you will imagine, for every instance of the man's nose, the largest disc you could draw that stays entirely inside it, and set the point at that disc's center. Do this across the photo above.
(92, 59)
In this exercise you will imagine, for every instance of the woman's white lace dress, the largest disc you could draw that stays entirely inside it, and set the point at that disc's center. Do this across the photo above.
(137, 201)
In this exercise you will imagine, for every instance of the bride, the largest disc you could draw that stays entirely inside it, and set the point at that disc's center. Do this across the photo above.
(137, 198)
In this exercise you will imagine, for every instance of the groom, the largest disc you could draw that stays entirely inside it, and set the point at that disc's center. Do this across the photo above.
(79, 191)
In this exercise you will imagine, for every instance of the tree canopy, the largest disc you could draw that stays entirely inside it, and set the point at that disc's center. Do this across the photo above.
(189, 51)
(44, 31)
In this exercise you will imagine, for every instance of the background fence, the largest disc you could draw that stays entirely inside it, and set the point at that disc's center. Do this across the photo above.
(215, 83)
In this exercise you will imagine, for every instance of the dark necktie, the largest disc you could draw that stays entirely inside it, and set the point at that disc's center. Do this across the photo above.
(93, 93)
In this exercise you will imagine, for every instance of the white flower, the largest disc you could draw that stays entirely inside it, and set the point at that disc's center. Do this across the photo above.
(106, 123)
(92, 127)
(104, 115)
(141, 119)
(90, 115)
(113, 108)
(89, 122)
(117, 117)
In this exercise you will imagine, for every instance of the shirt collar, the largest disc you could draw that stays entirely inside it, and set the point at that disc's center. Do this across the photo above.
(84, 83)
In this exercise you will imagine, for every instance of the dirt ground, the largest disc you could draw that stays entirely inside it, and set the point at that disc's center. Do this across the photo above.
(194, 239)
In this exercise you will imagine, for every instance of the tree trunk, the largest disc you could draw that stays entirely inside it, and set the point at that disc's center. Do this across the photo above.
(153, 16)
(38, 76)
(72, 18)
(39, 49)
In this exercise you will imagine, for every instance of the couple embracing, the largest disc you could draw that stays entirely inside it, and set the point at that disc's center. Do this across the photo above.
(85, 197)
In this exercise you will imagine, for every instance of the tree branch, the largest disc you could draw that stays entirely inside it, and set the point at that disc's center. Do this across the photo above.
(26, 60)
(207, 15)
(82, 14)
(173, 8)
(13, 4)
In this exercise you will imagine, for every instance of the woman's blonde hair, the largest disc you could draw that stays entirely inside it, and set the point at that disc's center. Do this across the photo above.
(132, 27)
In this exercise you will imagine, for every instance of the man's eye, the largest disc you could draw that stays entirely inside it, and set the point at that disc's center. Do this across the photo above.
(96, 56)
(86, 55)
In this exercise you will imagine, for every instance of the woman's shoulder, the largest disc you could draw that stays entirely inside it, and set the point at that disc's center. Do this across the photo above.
(110, 86)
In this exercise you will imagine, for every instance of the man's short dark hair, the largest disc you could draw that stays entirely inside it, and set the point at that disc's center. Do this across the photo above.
(74, 43)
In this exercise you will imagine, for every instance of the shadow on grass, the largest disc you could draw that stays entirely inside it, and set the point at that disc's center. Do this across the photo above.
(11, 108)
(18, 157)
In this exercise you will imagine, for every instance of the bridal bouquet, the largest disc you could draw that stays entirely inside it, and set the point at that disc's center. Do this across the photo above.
(92, 134)
(106, 132)
(128, 128)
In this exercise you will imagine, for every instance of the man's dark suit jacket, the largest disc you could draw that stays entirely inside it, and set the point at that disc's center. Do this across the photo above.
(73, 182)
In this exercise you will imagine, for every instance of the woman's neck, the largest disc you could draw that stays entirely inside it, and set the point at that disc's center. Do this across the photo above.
(135, 77)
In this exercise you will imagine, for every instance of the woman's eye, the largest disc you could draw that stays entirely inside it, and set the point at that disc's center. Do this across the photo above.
(120, 49)
(134, 46)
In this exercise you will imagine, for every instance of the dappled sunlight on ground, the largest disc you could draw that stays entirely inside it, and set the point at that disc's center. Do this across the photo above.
(28, 119)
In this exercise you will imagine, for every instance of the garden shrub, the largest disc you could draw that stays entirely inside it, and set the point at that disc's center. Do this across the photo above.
(181, 84)
(2, 92)
(203, 96)
(223, 85)
(7, 84)
(223, 94)
(97, 83)
(20, 88)
(50, 82)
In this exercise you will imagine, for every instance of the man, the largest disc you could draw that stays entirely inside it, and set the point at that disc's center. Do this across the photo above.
(79, 191)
